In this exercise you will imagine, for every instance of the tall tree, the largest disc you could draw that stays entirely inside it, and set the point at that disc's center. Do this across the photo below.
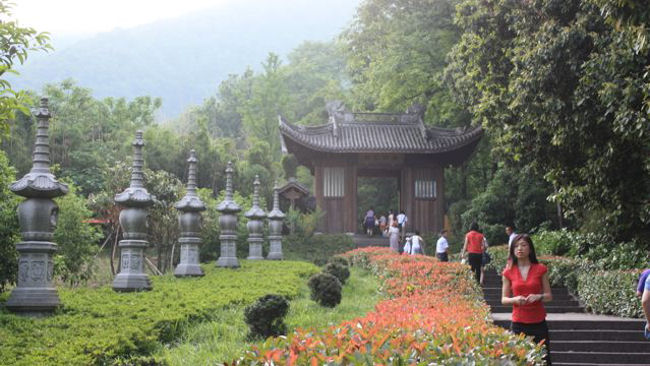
(396, 53)
(565, 92)
(15, 44)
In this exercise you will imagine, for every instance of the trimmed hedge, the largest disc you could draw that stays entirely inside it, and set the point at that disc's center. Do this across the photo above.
(610, 292)
(100, 326)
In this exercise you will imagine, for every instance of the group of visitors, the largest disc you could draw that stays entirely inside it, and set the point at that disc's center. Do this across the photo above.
(382, 224)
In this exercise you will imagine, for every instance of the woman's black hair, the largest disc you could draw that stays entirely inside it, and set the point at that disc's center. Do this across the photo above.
(473, 226)
(532, 256)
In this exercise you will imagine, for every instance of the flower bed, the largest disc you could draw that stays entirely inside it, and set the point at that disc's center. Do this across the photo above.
(434, 314)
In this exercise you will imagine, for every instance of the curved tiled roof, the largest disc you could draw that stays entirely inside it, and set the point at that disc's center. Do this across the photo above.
(379, 133)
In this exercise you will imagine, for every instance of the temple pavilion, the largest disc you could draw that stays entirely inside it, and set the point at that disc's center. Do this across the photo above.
(395, 145)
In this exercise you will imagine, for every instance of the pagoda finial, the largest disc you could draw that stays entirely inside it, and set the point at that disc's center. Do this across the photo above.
(191, 174)
(191, 201)
(256, 191)
(229, 171)
(40, 182)
(137, 177)
(276, 196)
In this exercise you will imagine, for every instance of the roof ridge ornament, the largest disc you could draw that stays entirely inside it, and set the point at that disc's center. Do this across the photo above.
(417, 110)
(337, 113)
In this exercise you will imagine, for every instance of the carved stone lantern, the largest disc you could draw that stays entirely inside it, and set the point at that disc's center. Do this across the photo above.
(133, 219)
(37, 215)
(276, 218)
(190, 223)
(255, 224)
(228, 224)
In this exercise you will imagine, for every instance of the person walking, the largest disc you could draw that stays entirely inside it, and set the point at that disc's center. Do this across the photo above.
(511, 235)
(382, 225)
(526, 287)
(473, 247)
(442, 247)
(393, 237)
(417, 243)
(369, 222)
(401, 222)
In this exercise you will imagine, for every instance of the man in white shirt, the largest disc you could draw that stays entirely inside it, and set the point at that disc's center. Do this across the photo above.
(442, 247)
(511, 235)
(401, 223)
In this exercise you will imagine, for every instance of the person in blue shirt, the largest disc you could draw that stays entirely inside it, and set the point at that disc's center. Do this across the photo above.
(645, 302)
(641, 285)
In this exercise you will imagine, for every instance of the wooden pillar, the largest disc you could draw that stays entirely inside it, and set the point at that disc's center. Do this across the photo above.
(350, 200)
(406, 195)
(318, 194)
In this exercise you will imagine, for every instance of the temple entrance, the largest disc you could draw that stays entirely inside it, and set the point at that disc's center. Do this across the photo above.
(380, 193)
(383, 160)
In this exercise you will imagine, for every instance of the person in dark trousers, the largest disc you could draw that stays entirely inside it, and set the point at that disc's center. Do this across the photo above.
(442, 247)
(526, 287)
(474, 246)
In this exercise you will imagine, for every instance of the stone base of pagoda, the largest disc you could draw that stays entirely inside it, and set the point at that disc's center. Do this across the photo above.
(228, 256)
(33, 301)
(132, 277)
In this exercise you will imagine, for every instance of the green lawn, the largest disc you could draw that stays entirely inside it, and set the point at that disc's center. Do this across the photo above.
(224, 338)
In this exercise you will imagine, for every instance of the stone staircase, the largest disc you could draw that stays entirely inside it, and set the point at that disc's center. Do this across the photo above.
(579, 339)
(366, 241)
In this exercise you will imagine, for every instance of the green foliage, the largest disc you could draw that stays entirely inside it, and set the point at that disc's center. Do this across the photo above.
(99, 326)
(265, 317)
(318, 249)
(389, 55)
(163, 226)
(325, 289)
(512, 197)
(340, 271)
(304, 224)
(339, 260)
(289, 165)
(598, 249)
(9, 230)
(77, 240)
(16, 43)
(610, 292)
(538, 76)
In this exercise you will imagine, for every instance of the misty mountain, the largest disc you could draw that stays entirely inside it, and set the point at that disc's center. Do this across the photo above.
(182, 60)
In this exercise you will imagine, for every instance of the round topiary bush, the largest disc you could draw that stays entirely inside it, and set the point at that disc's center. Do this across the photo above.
(265, 317)
(325, 289)
(337, 270)
(339, 260)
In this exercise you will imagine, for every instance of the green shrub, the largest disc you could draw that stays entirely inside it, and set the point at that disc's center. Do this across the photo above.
(100, 326)
(339, 260)
(265, 317)
(563, 271)
(610, 292)
(499, 256)
(318, 249)
(77, 240)
(325, 289)
(9, 230)
(337, 270)
(556, 242)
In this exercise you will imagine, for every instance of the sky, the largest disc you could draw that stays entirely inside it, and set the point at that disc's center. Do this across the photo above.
(78, 17)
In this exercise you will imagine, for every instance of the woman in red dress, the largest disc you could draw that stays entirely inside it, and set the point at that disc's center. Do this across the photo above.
(526, 288)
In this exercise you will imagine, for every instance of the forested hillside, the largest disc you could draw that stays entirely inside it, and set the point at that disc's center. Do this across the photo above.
(182, 60)
(566, 120)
